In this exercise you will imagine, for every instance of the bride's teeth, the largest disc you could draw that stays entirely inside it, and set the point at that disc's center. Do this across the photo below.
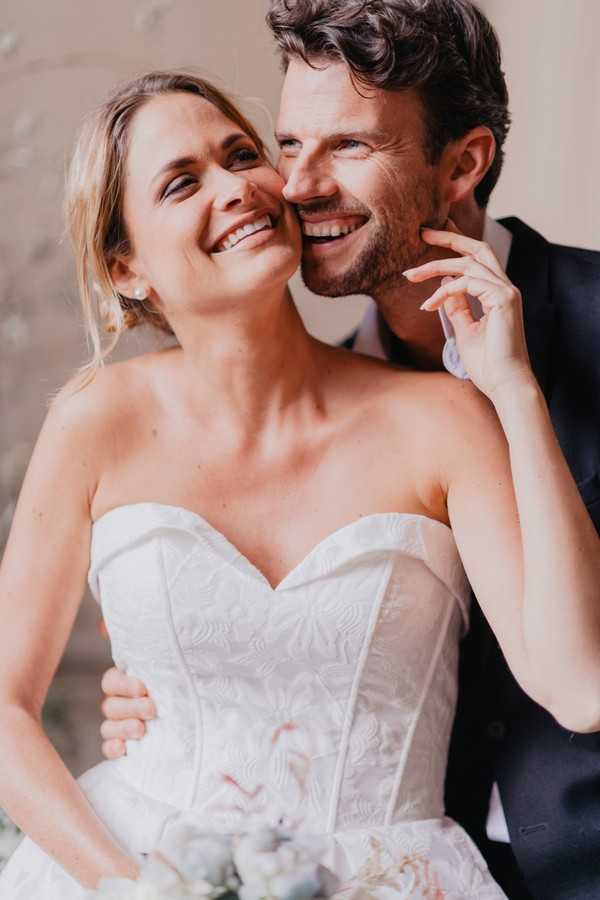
(236, 236)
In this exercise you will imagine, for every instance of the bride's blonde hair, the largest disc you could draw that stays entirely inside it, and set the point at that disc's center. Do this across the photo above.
(94, 200)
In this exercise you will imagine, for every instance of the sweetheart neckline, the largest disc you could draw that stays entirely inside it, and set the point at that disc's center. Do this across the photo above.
(198, 517)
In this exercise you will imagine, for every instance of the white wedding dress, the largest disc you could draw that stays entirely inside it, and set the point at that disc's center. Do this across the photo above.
(357, 647)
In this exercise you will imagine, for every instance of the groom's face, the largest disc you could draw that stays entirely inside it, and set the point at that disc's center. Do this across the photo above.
(357, 172)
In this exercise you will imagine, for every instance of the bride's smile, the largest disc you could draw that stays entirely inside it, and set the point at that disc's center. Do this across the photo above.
(203, 211)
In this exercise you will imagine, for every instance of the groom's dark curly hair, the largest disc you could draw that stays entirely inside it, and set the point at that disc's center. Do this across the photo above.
(445, 49)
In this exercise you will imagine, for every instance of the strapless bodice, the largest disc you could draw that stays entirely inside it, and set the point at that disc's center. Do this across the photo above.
(357, 646)
(351, 660)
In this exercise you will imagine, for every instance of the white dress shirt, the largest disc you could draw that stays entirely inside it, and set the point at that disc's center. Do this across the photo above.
(368, 341)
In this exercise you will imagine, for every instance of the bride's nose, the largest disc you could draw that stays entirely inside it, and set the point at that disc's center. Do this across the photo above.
(234, 191)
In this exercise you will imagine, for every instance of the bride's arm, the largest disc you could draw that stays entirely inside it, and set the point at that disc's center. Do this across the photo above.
(530, 550)
(42, 580)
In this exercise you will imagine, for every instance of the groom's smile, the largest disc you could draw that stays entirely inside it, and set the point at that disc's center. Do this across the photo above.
(328, 232)
(356, 172)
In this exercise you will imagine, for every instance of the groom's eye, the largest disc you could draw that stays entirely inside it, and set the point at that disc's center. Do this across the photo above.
(352, 146)
(290, 146)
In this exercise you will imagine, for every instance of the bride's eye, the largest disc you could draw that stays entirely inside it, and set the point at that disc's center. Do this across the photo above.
(244, 158)
(179, 184)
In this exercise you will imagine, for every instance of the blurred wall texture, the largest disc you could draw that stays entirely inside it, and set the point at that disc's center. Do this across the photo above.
(59, 58)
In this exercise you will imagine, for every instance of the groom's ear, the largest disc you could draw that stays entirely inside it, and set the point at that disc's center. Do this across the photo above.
(464, 163)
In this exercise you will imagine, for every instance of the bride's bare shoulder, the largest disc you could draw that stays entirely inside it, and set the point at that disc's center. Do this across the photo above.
(394, 383)
(117, 396)
(436, 401)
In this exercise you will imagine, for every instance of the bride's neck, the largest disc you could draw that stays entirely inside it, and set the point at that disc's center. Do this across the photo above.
(252, 366)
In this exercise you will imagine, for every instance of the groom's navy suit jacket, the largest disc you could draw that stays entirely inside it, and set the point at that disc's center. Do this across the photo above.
(549, 778)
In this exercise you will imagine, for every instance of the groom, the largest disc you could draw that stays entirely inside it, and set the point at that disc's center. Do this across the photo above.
(394, 114)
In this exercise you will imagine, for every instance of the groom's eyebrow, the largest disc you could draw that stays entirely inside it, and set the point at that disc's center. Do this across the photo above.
(373, 135)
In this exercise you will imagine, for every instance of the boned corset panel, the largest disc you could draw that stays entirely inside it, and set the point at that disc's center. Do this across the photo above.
(351, 659)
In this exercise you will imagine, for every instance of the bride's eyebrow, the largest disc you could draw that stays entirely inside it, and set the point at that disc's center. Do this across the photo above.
(183, 161)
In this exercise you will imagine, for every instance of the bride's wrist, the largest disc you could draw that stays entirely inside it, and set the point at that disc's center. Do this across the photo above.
(120, 866)
(512, 393)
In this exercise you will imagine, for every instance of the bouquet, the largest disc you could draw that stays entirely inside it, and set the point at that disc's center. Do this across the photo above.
(265, 861)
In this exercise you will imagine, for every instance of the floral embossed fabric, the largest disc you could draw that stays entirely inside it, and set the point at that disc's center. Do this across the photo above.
(357, 646)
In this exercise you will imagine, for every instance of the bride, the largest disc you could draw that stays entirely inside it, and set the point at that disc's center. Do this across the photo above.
(276, 528)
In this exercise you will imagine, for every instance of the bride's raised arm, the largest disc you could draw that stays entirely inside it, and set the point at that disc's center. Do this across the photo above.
(529, 548)
(42, 581)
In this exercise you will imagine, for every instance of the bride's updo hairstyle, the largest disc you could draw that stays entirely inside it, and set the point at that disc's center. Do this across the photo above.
(94, 204)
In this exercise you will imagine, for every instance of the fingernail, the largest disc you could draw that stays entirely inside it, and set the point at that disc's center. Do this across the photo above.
(149, 711)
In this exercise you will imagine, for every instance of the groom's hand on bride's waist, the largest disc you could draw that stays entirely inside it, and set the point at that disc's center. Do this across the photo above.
(126, 706)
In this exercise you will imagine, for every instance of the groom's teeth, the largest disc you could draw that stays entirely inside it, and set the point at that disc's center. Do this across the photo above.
(328, 229)
(234, 237)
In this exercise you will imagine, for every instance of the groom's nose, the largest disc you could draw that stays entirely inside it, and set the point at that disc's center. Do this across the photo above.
(307, 180)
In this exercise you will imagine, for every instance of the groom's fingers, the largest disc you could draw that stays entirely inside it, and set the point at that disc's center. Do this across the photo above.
(113, 749)
(124, 730)
(119, 708)
(117, 684)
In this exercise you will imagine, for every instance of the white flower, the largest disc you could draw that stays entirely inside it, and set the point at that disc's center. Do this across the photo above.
(199, 857)
(275, 866)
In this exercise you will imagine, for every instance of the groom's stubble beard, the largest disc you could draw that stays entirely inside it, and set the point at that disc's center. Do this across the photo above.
(393, 244)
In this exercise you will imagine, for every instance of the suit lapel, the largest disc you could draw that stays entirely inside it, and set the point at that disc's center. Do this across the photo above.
(529, 269)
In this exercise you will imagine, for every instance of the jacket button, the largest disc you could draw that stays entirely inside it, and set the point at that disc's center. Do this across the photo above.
(496, 730)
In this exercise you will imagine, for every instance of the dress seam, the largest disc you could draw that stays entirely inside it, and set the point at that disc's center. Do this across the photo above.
(345, 739)
(198, 751)
(417, 716)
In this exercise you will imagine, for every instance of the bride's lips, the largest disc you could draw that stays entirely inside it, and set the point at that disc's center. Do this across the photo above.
(267, 223)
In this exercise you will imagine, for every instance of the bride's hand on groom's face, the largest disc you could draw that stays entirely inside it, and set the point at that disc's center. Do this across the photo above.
(126, 707)
(493, 348)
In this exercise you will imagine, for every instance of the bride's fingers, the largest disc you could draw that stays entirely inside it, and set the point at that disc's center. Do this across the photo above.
(114, 749)
(457, 308)
(466, 246)
(125, 708)
(117, 684)
(461, 265)
(452, 287)
(125, 730)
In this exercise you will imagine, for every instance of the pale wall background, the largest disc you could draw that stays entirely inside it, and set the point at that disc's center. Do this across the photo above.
(60, 57)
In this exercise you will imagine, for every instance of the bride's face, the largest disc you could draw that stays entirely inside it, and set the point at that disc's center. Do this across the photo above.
(193, 181)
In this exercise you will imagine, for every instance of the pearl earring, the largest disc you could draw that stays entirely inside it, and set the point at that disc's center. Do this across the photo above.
(139, 293)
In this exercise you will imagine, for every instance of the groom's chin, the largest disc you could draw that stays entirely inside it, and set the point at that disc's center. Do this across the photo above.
(326, 283)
